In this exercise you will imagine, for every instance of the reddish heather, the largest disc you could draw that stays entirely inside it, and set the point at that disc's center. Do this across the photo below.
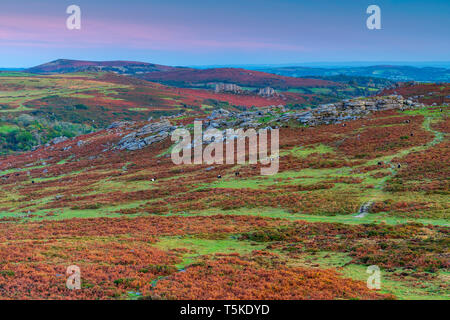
(239, 76)
(197, 96)
(233, 278)
(428, 93)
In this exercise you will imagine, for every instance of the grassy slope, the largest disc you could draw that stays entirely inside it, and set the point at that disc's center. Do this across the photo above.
(74, 179)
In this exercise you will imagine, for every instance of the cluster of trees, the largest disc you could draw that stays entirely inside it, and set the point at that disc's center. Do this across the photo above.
(16, 140)
(28, 131)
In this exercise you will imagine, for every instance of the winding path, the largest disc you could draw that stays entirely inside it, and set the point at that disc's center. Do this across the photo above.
(378, 190)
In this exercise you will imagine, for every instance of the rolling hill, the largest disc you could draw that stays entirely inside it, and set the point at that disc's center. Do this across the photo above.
(180, 76)
(395, 73)
(70, 97)
(121, 67)
(36, 108)
(241, 77)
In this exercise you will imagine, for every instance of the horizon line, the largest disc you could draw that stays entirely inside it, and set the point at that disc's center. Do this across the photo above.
(318, 64)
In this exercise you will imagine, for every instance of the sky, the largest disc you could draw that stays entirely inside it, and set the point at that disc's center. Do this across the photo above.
(211, 32)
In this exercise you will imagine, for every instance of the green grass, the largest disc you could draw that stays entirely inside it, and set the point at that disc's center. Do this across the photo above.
(279, 213)
(402, 289)
(433, 112)
(5, 128)
(321, 90)
(14, 170)
(406, 289)
(199, 247)
(68, 213)
(138, 109)
(62, 86)
(15, 74)
(303, 152)
(304, 177)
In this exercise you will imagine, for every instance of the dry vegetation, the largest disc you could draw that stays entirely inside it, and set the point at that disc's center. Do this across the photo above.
(190, 235)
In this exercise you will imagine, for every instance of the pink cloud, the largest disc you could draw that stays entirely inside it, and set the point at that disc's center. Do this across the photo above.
(52, 32)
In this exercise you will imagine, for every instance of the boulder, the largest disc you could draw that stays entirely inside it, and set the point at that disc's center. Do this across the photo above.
(146, 135)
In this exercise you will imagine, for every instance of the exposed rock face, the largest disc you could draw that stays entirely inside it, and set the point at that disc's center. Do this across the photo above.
(269, 118)
(81, 143)
(120, 124)
(219, 113)
(227, 87)
(146, 135)
(325, 114)
(58, 140)
(352, 109)
(267, 92)
(364, 209)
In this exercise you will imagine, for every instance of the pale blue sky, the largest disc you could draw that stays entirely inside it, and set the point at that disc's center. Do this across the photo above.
(207, 32)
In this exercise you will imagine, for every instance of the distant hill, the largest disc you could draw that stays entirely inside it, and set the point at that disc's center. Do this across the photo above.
(395, 73)
(240, 77)
(121, 67)
(180, 76)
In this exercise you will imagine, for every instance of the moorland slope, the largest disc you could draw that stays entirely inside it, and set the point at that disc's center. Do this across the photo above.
(139, 226)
